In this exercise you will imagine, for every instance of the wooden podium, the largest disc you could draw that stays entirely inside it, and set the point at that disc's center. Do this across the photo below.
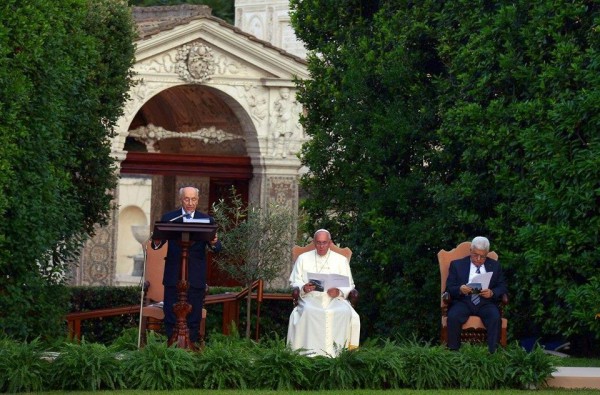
(185, 233)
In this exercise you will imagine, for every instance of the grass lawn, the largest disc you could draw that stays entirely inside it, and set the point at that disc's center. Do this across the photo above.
(345, 392)
(577, 362)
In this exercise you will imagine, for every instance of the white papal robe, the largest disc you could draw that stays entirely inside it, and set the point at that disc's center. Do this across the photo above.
(320, 324)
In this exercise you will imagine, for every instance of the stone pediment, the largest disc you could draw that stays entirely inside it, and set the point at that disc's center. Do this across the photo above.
(202, 48)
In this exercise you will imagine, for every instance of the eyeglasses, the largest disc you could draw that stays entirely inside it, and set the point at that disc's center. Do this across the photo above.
(321, 243)
(478, 256)
(190, 200)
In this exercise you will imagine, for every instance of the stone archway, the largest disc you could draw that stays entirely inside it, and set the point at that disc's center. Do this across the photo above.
(204, 89)
(183, 136)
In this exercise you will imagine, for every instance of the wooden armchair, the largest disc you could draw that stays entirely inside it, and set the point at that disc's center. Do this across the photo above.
(473, 330)
(297, 250)
(152, 314)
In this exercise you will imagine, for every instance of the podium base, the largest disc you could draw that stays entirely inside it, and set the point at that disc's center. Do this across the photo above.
(181, 333)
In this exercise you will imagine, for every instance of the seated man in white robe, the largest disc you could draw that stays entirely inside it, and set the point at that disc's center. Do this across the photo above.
(324, 322)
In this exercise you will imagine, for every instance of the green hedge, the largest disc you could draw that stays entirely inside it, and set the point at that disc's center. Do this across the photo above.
(105, 330)
(231, 363)
(65, 74)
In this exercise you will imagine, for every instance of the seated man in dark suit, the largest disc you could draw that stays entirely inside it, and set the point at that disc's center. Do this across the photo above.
(467, 301)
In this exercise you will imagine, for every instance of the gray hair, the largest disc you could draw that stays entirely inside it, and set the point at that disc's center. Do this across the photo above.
(324, 231)
(182, 188)
(480, 243)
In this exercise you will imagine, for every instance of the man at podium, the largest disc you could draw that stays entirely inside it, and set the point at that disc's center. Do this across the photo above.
(196, 264)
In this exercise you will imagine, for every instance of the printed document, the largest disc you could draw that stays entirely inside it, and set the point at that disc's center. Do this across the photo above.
(483, 279)
(327, 281)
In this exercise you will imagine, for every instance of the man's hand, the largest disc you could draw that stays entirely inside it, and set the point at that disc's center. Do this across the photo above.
(465, 290)
(308, 287)
(214, 241)
(486, 293)
(333, 292)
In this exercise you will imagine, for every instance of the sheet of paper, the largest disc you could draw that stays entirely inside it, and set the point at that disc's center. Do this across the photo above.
(197, 220)
(483, 279)
(330, 280)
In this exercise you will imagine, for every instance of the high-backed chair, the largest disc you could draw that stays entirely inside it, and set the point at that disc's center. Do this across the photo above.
(152, 314)
(297, 250)
(473, 330)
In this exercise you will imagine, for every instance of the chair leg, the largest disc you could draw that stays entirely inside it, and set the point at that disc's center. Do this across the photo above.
(202, 330)
(503, 340)
(143, 329)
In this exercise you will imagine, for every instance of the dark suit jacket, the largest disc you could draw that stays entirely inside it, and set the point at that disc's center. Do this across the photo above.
(459, 275)
(196, 257)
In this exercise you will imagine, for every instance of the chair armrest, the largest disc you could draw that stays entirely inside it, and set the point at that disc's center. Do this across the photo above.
(353, 297)
(446, 299)
(503, 302)
(295, 295)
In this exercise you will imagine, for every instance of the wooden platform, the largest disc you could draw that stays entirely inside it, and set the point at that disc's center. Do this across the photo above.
(567, 377)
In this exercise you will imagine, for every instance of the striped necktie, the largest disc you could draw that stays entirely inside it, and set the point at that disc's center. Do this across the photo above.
(475, 297)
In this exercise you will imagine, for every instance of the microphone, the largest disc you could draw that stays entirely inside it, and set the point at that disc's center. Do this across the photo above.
(181, 216)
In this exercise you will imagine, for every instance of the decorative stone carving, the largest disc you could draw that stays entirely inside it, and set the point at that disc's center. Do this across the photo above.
(98, 258)
(195, 63)
(158, 64)
(225, 65)
(139, 94)
(282, 191)
(284, 124)
(150, 135)
(269, 20)
(256, 101)
(177, 62)
(256, 27)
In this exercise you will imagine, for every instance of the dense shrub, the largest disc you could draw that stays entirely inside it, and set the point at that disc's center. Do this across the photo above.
(383, 366)
(525, 370)
(23, 367)
(436, 121)
(229, 362)
(65, 70)
(158, 367)
(226, 365)
(294, 371)
(87, 366)
(106, 329)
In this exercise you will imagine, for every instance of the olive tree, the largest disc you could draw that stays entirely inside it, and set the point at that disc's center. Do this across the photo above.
(256, 242)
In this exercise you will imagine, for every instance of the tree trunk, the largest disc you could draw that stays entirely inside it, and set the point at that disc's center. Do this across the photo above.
(248, 311)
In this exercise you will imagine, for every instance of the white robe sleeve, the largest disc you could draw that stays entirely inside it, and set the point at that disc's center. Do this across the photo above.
(297, 276)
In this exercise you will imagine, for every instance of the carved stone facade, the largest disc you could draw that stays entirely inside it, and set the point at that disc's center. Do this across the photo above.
(269, 20)
(203, 87)
(96, 262)
(152, 137)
